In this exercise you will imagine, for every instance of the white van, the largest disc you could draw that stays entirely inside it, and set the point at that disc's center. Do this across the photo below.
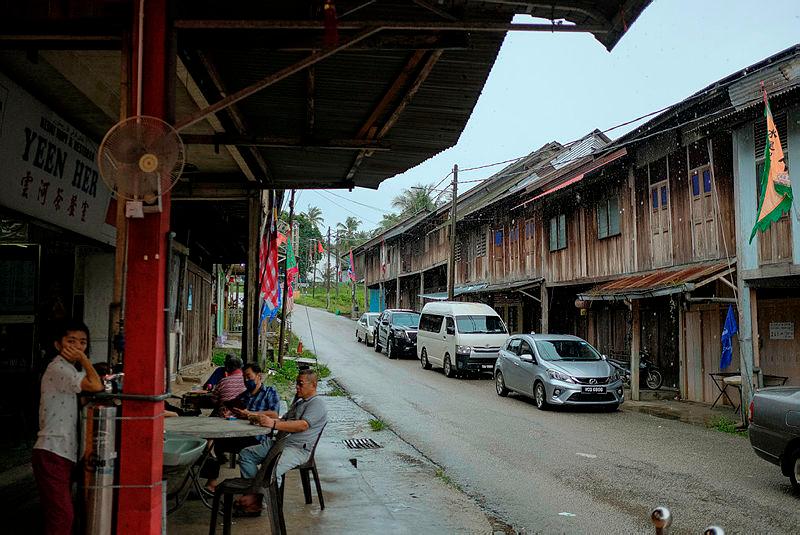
(459, 337)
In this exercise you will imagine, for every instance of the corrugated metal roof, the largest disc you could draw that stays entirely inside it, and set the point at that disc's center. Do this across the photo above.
(656, 283)
(777, 79)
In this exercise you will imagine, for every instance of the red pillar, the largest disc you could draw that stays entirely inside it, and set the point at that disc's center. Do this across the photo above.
(141, 449)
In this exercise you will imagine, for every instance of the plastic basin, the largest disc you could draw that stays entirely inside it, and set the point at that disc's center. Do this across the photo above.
(182, 450)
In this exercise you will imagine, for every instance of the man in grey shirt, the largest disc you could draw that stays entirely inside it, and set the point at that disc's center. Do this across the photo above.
(301, 425)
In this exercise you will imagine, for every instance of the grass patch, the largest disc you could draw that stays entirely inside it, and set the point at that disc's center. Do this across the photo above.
(726, 425)
(446, 479)
(378, 425)
(340, 306)
(337, 391)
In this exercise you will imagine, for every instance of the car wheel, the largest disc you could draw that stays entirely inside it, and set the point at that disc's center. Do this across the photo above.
(654, 380)
(390, 352)
(377, 345)
(794, 474)
(540, 396)
(448, 367)
(500, 385)
(423, 360)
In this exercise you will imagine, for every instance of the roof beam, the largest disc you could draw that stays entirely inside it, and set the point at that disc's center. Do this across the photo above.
(196, 94)
(368, 130)
(274, 78)
(283, 142)
(468, 26)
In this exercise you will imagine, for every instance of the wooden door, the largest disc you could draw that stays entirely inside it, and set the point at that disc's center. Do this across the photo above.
(704, 223)
(661, 236)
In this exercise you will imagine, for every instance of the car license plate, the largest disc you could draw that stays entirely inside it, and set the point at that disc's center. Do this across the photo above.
(487, 366)
(594, 389)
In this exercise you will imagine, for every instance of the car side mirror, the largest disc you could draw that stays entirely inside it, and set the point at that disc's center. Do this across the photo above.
(526, 357)
(603, 357)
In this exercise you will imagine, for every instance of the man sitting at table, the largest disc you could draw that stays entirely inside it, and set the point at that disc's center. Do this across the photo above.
(301, 425)
(230, 386)
(217, 375)
(257, 399)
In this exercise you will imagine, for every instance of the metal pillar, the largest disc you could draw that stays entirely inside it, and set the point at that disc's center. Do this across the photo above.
(142, 440)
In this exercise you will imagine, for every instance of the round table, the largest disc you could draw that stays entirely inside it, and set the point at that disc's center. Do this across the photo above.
(212, 427)
(208, 427)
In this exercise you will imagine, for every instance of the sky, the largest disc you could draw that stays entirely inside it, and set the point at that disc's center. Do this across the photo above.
(558, 87)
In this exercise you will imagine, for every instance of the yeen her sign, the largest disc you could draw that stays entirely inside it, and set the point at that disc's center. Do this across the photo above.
(48, 168)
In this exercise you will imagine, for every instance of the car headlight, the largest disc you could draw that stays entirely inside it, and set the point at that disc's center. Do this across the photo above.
(558, 376)
(463, 350)
(401, 334)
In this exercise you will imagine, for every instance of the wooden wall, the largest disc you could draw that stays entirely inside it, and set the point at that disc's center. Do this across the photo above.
(778, 356)
(197, 329)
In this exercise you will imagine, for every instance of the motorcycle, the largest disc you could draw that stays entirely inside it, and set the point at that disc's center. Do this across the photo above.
(649, 374)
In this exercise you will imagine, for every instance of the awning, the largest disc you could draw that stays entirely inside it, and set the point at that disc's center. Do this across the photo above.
(484, 288)
(658, 283)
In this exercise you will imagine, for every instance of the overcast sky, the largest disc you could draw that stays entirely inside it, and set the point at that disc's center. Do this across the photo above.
(558, 87)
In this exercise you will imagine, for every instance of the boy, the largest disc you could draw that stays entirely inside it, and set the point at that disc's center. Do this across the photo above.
(56, 450)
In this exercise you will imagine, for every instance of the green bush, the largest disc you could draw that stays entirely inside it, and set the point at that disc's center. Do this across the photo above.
(218, 355)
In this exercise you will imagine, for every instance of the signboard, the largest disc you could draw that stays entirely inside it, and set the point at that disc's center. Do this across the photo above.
(48, 169)
(781, 330)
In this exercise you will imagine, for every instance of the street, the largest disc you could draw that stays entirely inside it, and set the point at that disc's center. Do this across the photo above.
(562, 471)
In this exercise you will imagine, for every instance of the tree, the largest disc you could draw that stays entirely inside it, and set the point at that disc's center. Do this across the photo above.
(387, 222)
(348, 229)
(314, 216)
(309, 236)
(415, 199)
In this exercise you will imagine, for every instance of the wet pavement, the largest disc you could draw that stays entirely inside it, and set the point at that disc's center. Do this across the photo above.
(564, 471)
(390, 489)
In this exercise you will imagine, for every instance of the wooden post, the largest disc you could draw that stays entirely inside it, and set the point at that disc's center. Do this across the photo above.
(636, 333)
(682, 356)
(545, 309)
(338, 265)
(142, 431)
(421, 289)
(285, 288)
(397, 283)
(251, 282)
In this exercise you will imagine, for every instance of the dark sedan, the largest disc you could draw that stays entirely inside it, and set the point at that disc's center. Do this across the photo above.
(775, 428)
(396, 331)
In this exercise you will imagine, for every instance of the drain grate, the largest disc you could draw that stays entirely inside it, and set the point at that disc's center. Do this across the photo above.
(361, 444)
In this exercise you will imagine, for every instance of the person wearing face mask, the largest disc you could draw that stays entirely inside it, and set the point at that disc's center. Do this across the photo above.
(257, 399)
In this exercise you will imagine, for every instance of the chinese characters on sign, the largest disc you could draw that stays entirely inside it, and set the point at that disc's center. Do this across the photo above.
(781, 330)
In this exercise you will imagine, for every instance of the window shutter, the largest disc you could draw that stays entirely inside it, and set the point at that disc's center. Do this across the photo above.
(613, 216)
(553, 234)
(562, 231)
(602, 219)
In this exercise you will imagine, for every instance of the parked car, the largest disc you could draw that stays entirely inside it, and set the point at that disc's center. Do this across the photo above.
(396, 331)
(460, 337)
(365, 328)
(557, 370)
(775, 428)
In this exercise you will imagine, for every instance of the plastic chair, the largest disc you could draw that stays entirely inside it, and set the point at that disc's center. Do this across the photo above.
(309, 466)
(265, 482)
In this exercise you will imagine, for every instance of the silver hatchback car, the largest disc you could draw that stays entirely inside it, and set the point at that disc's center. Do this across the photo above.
(557, 370)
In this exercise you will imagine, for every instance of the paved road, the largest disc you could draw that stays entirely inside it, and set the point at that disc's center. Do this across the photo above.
(560, 471)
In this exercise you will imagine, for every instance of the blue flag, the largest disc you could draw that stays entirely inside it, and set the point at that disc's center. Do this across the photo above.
(727, 335)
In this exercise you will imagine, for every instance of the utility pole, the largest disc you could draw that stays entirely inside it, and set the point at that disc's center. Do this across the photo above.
(451, 265)
(338, 264)
(313, 259)
(328, 273)
(285, 286)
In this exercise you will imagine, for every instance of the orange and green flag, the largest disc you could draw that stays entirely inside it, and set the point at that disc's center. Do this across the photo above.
(775, 198)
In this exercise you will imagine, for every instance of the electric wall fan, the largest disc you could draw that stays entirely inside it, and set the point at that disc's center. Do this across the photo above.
(140, 159)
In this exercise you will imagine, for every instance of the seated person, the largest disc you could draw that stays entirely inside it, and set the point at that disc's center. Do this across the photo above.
(217, 375)
(301, 425)
(230, 386)
(257, 399)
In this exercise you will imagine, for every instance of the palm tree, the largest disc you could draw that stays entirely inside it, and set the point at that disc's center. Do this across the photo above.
(387, 222)
(348, 229)
(314, 216)
(415, 199)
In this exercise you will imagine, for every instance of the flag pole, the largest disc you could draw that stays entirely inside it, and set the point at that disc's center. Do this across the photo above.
(285, 289)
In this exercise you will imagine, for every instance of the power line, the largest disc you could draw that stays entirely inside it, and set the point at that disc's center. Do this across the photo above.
(319, 192)
(356, 202)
